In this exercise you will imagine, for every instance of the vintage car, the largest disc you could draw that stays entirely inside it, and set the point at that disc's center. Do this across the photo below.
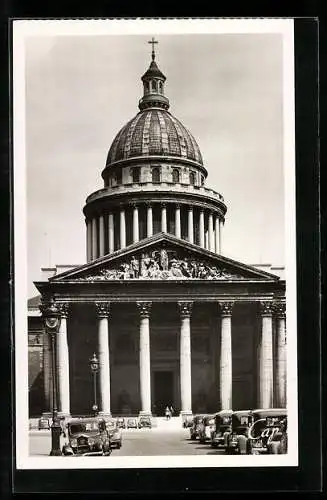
(115, 433)
(268, 433)
(187, 421)
(206, 428)
(131, 423)
(120, 422)
(223, 427)
(194, 430)
(86, 437)
(144, 421)
(238, 438)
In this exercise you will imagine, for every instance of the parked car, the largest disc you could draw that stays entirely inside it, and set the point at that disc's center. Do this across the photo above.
(187, 421)
(131, 423)
(115, 433)
(194, 430)
(223, 427)
(87, 437)
(121, 424)
(206, 428)
(238, 439)
(144, 421)
(268, 433)
(43, 423)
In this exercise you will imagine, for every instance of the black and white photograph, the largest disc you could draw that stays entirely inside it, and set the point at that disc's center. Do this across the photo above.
(154, 223)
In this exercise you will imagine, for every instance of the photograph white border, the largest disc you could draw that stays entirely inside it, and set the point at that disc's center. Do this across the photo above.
(25, 28)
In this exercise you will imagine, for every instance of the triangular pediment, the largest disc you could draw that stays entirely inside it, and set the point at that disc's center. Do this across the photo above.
(163, 257)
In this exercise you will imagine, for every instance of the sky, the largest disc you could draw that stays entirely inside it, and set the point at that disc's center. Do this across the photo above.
(227, 89)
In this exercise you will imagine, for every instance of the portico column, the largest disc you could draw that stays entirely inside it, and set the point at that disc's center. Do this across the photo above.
(266, 357)
(211, 243)
(103, 311)
(145, 377)
(185, 357)
(88, 240)
(149, 221)
(190, 225)
(178, 233)
(220, 235)
(135, 224)
(122, 228)
(47, 384)
(111, 242)
(163, 218)
(63, 363)
(226, 356)
(201, 229)
(94, 239)
(101, 236)
(217, 229)
(281, 362)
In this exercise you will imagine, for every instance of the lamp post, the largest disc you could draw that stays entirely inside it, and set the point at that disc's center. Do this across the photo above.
(51, 317)
(94, 365)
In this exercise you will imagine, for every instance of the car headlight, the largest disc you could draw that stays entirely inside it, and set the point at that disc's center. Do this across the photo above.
(91, 441)
(73, 443)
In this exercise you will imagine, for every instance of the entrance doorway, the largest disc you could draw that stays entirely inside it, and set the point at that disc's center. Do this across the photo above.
(163, 391)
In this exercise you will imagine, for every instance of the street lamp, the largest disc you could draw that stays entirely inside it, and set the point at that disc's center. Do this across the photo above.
(94, 365)
(51, 317)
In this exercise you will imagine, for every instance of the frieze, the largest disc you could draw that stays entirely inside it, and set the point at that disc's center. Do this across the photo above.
(163, 264)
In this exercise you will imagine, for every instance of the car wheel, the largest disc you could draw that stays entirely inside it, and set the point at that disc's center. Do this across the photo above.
(202, 441)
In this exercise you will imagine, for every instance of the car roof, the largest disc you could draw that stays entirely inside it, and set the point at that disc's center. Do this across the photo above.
(242, 413)
(224, 413)
(270, 412)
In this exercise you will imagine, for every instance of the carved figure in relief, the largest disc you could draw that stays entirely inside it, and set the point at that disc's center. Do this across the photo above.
(135, 267)
(164, 261)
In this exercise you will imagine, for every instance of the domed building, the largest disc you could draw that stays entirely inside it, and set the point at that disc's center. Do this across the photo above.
(170, 318)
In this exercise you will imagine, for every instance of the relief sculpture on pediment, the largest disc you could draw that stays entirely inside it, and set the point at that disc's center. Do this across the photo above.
(163, 264)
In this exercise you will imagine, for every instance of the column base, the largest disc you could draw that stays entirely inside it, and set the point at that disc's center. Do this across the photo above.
(145, 413)
(105, 414)
(185, 413)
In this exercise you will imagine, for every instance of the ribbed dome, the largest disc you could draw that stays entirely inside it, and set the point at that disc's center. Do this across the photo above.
(154, 132)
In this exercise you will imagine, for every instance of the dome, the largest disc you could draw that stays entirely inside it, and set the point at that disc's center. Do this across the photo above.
(154, 131)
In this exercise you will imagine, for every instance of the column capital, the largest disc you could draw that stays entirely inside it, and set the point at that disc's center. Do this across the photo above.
(190, 208)
(103, 309)
(185, 309)
(148, 204)
(226, 308)
(266, 307)
(134, 205)
(177, 205)
(163, 204)
(144, 309)
(280, 309)
(63, 309)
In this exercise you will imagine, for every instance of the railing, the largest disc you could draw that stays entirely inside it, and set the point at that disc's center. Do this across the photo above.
(147, 187)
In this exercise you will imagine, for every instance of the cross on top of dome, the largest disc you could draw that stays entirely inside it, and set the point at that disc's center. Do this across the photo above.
(153, 41)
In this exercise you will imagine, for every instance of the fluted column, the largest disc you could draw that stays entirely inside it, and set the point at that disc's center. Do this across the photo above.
(103, 311)
(185, 357)
(111, 242)
(88, 241)
(63, 363)
(266, 357)
(201, 228)
(149, 224)
(281, 361)
(144, 352)
(122, 228)
(190, 225)
(94, 239)
(163, 218)
(226, 356)
(101, 236)
(217, 238)
(211, 242)
(135, 224)
(178, 232)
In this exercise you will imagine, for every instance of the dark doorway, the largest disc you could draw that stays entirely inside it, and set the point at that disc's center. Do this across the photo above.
(163, 391)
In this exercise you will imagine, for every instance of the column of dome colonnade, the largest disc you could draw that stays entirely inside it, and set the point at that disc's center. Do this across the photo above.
(100, 241)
